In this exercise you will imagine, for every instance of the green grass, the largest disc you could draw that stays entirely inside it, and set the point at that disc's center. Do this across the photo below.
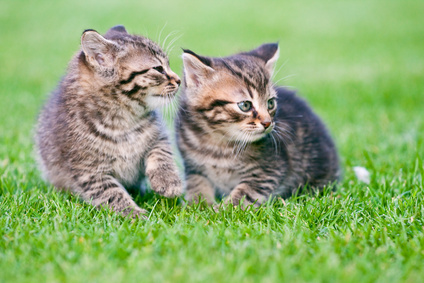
(360, 64)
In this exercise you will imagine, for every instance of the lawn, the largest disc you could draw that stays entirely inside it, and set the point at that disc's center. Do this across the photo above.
(360, 64)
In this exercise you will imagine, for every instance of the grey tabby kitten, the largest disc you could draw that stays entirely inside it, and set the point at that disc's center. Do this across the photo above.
(241, 136)
(99, 133)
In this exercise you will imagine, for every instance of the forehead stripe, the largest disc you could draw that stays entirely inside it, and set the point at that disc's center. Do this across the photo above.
(250, 92)
(214, 104)
(248, 82)
(132, 76)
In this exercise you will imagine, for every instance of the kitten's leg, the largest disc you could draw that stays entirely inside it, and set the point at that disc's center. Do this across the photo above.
(162, 171)
(199, 187)
(106, 190)
(252, 191)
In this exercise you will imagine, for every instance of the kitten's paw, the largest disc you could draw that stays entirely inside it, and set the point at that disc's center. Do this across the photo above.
(237, 198)
(167, 185)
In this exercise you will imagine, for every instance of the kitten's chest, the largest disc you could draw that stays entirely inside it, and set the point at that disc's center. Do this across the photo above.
(126, 157)
(127, 165)
(223, 179)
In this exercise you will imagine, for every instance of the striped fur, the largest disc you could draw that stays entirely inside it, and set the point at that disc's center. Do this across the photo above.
(99, 133)
(276, 147)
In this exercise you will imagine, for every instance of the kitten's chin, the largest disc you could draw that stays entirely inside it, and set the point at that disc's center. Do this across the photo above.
(248, 137)
(155, 101)
(254, 135)
(257, 137)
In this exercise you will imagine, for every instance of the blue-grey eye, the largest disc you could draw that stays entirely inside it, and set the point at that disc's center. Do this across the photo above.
(271, 104)
(245, 106)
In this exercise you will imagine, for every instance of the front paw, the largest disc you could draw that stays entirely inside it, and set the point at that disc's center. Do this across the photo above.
(166, 184)
(241, 198)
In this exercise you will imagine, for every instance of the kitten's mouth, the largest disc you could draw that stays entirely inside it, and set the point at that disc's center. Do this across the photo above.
(257, 135)
(170, 94)
(253, 136)
(261, 132)
(167, 93)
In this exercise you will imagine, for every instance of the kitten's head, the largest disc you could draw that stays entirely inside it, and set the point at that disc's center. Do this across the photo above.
(129, 65)
(232, 96)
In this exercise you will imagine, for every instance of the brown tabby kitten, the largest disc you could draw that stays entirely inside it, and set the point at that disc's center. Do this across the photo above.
(99, 133)
(240, 136)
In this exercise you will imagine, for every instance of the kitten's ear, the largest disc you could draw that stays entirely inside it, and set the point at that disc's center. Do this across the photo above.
(269, 53)
(98, 50)
(196, 68)
(116, 29)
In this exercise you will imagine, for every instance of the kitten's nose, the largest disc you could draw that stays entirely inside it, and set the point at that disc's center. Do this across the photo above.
(266, 124)
(174, 77)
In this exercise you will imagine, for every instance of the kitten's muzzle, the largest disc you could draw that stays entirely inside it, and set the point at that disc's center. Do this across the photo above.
(174, 78)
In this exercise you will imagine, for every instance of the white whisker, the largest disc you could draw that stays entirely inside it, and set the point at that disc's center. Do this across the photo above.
(279, 69)
(160, 34)
(164, 45)
(284, 78)
(170, 46)
(274, 141)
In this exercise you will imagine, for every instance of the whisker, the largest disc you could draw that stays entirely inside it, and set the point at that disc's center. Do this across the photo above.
(283, 79)
(279, 69)
(160, 34)
(285, 129)
(166, 39)
(284, 132)
(238, 141)
(274, 141)
(243, 145)
(171, 43)
(284, 135)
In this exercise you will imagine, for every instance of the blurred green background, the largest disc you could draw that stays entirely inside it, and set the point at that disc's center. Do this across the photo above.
(359, 63)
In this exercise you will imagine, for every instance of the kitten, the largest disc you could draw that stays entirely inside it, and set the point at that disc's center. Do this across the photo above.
(99, 133)
(241, 136)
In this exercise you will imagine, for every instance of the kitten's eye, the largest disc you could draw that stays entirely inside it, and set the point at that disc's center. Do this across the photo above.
(245, 106)
(159, 69)
(271, 104)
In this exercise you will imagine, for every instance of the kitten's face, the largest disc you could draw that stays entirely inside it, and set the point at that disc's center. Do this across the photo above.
(233, 97)
(134, 66)
(146, 75)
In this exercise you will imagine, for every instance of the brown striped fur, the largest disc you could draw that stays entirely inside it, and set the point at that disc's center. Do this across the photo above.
(274, 148)
(99, 132)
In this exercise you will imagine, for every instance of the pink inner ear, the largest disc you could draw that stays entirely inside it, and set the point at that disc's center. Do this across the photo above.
(100, 59)
(195, 79)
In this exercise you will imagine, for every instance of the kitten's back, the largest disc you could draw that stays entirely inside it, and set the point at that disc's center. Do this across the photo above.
(310, 136)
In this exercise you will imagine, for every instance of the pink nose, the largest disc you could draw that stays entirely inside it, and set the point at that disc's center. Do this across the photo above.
(177, 80)
(266, 124)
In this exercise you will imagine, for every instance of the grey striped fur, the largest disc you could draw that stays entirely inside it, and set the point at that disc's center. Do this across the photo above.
(99, 133)
(267, 150)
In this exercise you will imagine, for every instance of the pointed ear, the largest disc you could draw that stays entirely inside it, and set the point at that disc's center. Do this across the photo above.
(269, 53)
(196, 68)
(116, 29)
(270, 64)
(98, 50)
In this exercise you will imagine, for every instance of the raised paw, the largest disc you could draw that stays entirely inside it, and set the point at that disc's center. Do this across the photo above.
(166, 184)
